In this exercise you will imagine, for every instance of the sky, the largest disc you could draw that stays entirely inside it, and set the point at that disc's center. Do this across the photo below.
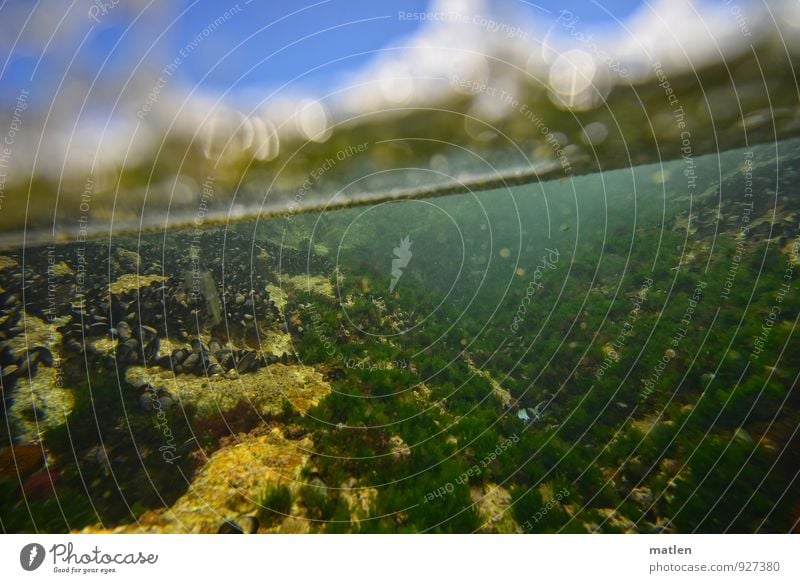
(363, 27)
(273, 43)
(94, 70)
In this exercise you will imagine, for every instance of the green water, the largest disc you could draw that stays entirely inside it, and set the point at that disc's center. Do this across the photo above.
(614, 352)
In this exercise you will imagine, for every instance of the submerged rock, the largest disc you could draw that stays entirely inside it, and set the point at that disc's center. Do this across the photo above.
(242, 525)
(265, 390)
(230, 527)
(229, 484)
(132, 282)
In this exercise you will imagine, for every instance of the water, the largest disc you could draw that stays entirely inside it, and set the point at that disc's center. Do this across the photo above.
(613, 352)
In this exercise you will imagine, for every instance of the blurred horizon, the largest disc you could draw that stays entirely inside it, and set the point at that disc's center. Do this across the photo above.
(142, 97)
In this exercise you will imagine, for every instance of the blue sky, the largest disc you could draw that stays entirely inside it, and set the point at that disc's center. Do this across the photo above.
(375, 32)
(360, 27)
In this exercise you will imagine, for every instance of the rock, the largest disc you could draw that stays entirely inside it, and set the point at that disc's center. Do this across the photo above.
(246, 362)
(73, 345)
(334, 374)
(126, 260)
(123, 331)
(230, 527)
(191, 361)
(146, 387)
(151, 350)
(227, 488)
(27, 367)
(149, 396)
(10, 374)
(11, 300)
(178, 356)
(146, 401)
(147, 334)
(249, 524)
(210, 365)
(225, 357)
(128, 351)
(198, 346)
(163, 361)
(265, 390)
(215, 345)
(165, 400)
(98, 328)
(36, 402)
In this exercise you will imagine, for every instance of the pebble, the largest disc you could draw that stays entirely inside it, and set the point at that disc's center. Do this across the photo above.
(123, 331)
(230, 527)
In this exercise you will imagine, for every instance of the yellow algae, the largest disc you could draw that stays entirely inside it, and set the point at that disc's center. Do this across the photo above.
(399, 447)
(60, 269)
(39, 404)
(546, 491)
(127, 259)
(792, 249)
(167, 346)
(318, 284)
(646, 424)
(103, 345)
(292, 525)
(610, 352)
(133, 281)
(614, 519)
(493, 505)
(228, 486)
(274, 342)
(360, 501)
(263, 254)
(301, 285)
(264, 391)
(37, 333)
(7, 262)
(278, 296)
(502, 394)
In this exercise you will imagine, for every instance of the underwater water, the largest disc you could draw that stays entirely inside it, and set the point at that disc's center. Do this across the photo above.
(614, 352)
